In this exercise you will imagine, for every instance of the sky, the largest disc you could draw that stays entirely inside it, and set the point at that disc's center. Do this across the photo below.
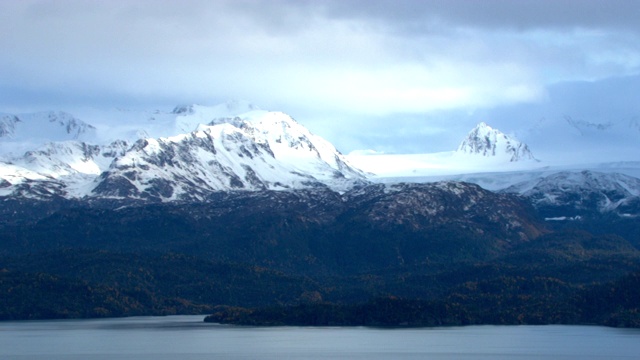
(395, 76)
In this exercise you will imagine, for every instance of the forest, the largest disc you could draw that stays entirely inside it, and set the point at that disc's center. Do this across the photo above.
(242, 259)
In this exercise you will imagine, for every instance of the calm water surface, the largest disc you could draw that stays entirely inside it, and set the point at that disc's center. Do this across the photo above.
(187, 337)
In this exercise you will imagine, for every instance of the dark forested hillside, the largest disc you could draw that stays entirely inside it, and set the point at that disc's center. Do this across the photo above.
(403, 254)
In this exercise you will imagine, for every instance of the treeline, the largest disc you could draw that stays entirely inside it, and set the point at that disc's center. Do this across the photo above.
(46, 296)
(561, 278)
(614, 304)
(76, 283)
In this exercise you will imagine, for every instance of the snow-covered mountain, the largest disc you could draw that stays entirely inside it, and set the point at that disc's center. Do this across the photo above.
(488, 142)
(568, 194)
(23, 132)
(66, 168)
(248, 151)
(264, 150)
(198, 149)
(483, 150)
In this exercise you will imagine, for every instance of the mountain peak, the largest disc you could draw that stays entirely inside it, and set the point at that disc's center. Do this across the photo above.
(483, 125)
(486, 141)
(191, 152)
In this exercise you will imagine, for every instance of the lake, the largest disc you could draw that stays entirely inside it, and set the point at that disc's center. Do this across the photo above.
(187, 337)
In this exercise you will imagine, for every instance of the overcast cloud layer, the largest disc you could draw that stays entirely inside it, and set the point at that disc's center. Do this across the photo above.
(399, 76)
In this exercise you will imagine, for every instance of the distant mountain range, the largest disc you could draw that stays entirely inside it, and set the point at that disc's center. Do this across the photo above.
(254, 150)
(187, 153)
(194, 150)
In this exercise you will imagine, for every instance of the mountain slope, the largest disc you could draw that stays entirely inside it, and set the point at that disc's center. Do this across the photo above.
(294, 144)
(309, 230)
(66, 169)
(570, 194)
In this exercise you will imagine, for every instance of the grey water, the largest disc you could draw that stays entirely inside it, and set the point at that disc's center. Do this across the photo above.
(189, 338)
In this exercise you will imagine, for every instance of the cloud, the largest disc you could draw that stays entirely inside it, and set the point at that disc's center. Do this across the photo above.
(331, 61)
(522, 15)
(384, 56)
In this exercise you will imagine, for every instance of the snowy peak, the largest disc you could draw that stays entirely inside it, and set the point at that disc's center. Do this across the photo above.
(219, 158)
(282, 133)
(295, 144)
(485, 141)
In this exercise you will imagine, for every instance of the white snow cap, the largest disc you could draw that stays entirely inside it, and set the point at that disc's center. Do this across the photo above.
(485, 141)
